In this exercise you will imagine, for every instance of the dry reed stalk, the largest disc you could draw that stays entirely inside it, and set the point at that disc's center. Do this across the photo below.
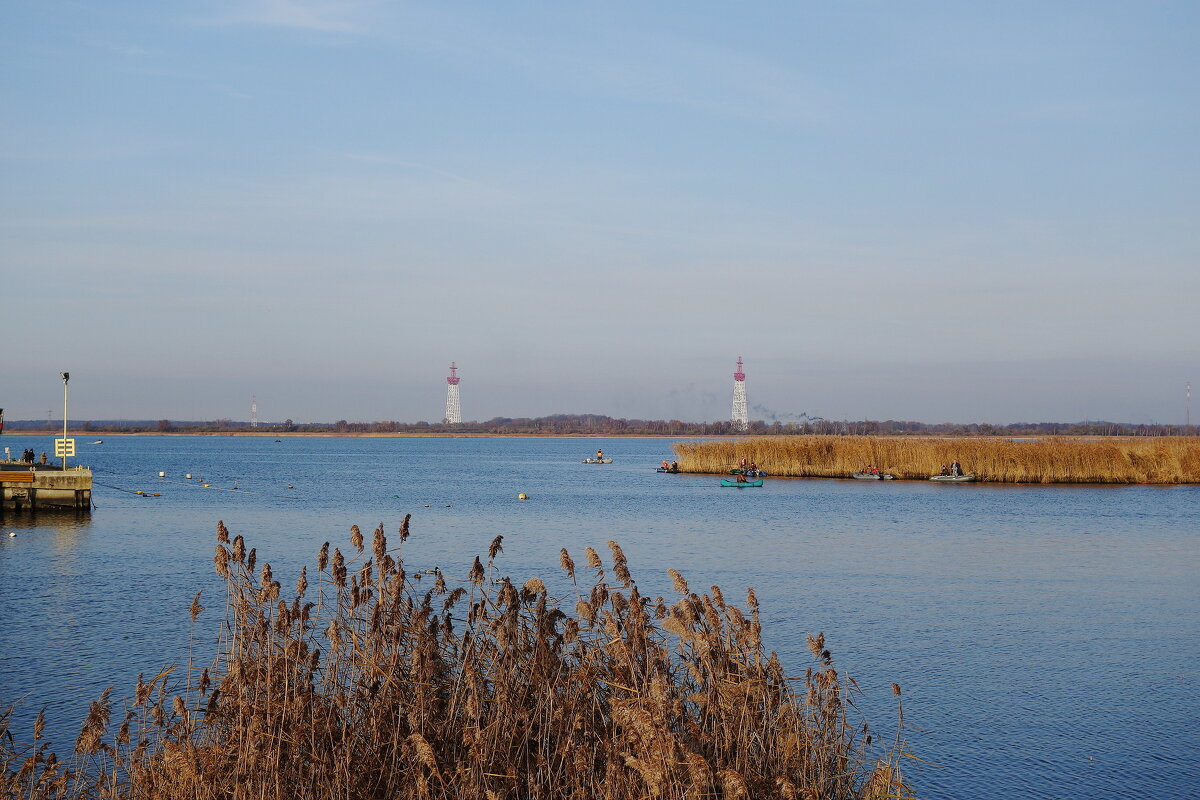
(1050, 460)
(375, 691)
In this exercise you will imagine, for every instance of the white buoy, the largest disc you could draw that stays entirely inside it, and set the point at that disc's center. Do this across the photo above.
(522, 496)
(162, 474)
(12, 533)
(188, 476)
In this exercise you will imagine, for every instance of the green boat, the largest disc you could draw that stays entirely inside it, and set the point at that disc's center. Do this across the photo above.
(741, 484)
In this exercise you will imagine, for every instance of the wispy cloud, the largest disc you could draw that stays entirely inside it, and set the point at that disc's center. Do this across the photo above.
(328, 16)
(671, 70)
(383, 159)
(124, 49)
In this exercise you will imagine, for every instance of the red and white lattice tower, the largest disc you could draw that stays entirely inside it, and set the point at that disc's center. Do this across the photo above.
(453, 409)
(740, 419)
(253, 411)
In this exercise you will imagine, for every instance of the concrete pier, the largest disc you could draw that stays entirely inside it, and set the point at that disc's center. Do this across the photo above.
(44, 487)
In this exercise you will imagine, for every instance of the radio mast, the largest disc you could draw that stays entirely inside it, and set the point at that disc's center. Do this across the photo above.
(453, 409)
(741, 420)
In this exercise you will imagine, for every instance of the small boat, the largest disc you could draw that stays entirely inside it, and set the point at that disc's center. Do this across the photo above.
(952, 478)
(873, 476)
(749, 473)
(741, 484)
(597, 461)
(667, 469)
(98, 441)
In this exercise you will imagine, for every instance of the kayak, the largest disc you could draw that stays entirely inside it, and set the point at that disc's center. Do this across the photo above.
(742, 484)
(595, 461)
(873, 476)
(952, 478)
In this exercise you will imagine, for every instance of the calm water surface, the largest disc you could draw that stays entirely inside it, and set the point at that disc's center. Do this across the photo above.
(1046, 638)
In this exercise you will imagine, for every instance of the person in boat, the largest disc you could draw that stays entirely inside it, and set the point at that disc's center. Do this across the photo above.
(945, 470)
(674, 466)
(741, 478)
(742, 463)
(664, 464)
(753, 468)
(874, 470)
(956, 469)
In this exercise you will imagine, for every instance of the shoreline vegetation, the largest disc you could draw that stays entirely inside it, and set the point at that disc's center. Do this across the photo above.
(1113, 460)
(598, 425)
(378, 681)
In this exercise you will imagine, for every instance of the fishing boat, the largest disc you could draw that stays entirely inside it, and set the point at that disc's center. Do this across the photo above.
(749, 473)
(952, 478)
(667, 469)
(597, 461)
(98, 441)
(741, 484)
(873, 476)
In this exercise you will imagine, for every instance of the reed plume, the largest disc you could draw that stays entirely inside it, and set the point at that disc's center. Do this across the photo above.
(376, 690)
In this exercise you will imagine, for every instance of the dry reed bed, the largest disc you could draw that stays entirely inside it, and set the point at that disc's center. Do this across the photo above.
(1052, 460)
(367, 683)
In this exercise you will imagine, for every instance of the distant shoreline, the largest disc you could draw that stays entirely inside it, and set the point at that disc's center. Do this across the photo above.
(683, 436)
(367, 435)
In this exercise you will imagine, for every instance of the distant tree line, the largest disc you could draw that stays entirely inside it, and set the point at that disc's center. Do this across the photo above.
(600, 425)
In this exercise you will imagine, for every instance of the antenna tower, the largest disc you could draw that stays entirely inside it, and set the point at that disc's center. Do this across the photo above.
(741, 420)
(453, 409)
(1187, 418)
(253, 411)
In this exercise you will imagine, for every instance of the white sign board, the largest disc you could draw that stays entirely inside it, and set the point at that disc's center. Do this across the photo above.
(64, 448)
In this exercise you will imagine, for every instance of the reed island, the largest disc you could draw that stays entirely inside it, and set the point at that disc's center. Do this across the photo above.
(1122, 460)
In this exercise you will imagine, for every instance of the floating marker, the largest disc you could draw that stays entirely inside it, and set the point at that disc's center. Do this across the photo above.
(12, 533)
(162, 474)
(522, 496)
(188, 476)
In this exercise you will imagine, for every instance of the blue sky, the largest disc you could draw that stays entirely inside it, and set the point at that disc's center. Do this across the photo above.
(932, 211)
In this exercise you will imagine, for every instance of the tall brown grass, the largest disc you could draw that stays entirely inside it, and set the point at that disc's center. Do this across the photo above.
(1052, 460)
(371, 680)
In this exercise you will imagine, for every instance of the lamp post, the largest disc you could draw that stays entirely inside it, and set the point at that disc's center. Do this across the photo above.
(66, 376)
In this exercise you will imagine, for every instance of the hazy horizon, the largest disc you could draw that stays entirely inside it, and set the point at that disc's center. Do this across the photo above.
(923, 211)
(968, 386)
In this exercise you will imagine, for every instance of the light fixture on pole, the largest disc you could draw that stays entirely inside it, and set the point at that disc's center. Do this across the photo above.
(66, 376)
